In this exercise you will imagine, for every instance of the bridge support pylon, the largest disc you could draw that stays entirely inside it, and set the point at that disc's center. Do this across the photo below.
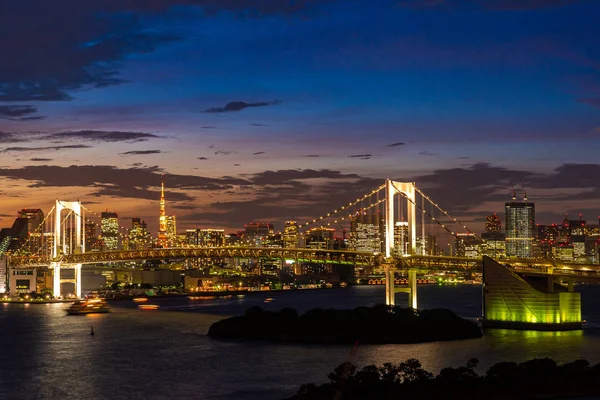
(57, 279)
(390, 285)
(411, 290)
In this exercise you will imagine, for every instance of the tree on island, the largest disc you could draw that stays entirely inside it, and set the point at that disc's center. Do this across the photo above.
(535, 378)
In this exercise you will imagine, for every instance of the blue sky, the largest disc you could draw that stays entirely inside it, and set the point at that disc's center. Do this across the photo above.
(472, 86)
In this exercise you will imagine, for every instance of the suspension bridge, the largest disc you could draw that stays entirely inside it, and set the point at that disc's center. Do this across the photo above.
(393, 229)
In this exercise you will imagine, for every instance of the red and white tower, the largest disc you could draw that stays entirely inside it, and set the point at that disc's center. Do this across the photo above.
(162, 219)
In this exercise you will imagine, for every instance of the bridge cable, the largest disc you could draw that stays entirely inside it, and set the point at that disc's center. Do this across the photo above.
(444, 211)
(352, 203)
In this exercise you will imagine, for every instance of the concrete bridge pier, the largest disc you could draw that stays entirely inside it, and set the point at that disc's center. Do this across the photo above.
(57, 279)
(391, 290)
(390, 285)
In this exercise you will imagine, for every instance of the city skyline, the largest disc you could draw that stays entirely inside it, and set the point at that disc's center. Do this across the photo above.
(292, 109)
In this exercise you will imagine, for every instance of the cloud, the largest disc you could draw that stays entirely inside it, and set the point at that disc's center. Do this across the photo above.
(117, 182)
(141, 152)
(361, 156)
(224, 152)
(239, 106)
(395, 144)
(65, 147)
(203, 158)
(102, 136)
(6, 137)
(255, 124)
(18, 113)
(312, 156)
(426, 153)
(293, 176)
(81, 44)
(40, 159)
(209, 127)
(258, 153)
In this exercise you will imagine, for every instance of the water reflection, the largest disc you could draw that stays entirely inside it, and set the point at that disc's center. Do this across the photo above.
(156, 355)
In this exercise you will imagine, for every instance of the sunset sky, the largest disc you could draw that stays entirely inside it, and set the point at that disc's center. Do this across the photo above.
(272, 110)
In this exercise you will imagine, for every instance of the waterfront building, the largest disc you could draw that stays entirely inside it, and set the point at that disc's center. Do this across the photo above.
(563, 252)
(493, 245)
(290, 234)
(520, 228)
(109, 228)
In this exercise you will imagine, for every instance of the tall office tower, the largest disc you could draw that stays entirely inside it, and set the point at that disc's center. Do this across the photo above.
(290, 234)
(493, 224)
(320, 238)
(401, 237)
(365, 232)
(109, 228)
(139, 238)
(520, 228)
(162, 219)
(91, 237)
(171, 232)
(34, 230)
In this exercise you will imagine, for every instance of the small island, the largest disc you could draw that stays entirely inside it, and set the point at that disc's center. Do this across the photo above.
(368, 325)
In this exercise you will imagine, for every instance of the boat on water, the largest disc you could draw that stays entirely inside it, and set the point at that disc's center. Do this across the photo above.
(90, 306)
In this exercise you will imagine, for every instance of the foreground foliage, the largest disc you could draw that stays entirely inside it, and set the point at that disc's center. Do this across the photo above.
(537, 378)
(377, 325)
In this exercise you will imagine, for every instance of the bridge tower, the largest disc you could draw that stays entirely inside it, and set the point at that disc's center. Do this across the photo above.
(62, 246)
(407, 191)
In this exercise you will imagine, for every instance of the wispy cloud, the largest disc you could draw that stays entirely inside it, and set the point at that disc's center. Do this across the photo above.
(102, 136)
(239, 106)
(141, 152)
(23, 149)
(396, 144)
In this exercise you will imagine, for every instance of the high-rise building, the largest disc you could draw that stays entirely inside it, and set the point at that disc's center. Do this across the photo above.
(109, 228)
(290, 234)
(205, 237)
(365, 232)
(162, 218)
(493, 224)
(91, 237)
(320, 238)
(171, 232)
(139, 237)
(520, 228)
(34, 230)
(426, 245)
(257, 232)
(467, 245)
(401, 237)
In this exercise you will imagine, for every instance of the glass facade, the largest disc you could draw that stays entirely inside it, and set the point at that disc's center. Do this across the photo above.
(520, 229)
(509, 300)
